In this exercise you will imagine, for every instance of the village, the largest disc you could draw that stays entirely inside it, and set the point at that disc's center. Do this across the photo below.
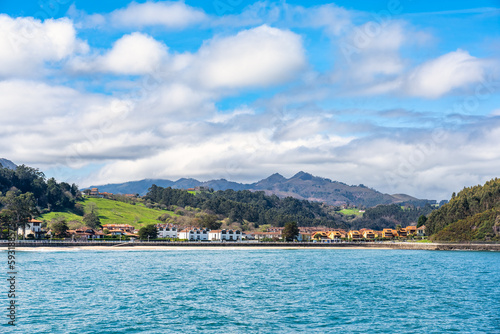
(166, 232)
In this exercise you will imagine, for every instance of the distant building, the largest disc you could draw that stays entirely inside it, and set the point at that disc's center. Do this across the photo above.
(388, 233)
(120, 229)
(193, 234)
(167, 231)
(33, 227)
(85, 233)
(402, 232)
(259, 235)
(225, 235)
(368, 234)
(354, 235)
(421, 231)
(335, 235)
(411, 230)
(320, 235)
(105, 195)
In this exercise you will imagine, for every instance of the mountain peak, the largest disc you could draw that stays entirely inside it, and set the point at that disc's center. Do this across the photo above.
(303, 176)
(276, 177)
(7, 164)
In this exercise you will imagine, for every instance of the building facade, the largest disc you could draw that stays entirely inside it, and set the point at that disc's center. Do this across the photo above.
(167, 231)
(224, 235)
(32, 227)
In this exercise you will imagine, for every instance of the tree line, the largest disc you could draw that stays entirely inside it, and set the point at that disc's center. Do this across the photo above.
(467, 203)
(256, 207)
(25, 193)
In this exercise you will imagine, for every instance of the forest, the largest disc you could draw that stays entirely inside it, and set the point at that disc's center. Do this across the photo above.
(472, 214)
(261, 209)
(243, 205)
(25, 193)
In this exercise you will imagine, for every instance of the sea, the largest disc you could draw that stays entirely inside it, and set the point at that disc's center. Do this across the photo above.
(253, 291)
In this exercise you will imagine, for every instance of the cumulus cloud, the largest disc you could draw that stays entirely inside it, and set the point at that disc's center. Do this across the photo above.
(134, 54)
(370, 63)
(173, 125)
(260, 56)
(27, 43)
(162, 13)
(370, 53)
(422, 163)
(439, 76)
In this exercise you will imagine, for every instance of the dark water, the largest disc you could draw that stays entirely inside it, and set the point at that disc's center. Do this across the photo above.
(256, 291)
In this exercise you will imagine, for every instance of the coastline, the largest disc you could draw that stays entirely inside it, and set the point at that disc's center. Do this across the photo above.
(136, 246)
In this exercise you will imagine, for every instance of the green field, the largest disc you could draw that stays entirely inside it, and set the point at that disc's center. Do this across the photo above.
(347, 212)
(115, 212)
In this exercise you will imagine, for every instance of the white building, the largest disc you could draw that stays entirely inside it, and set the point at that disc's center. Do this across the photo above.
(167, 231)
(33, 227)
(421, 231)
(229, 235)
(193, 234)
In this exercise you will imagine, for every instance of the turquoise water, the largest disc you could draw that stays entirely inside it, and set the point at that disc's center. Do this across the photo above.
(256, 291)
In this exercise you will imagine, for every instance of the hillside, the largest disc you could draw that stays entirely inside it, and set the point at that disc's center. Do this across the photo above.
(301, 186)
(7, 164)
(483, 226)
(472, 214)
(114, 212)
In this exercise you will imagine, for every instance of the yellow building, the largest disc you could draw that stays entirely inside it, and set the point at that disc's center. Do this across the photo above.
(320, 235)
(411, 230)
(369, 234)
(335, 235)
(388, 233)
(354, 235)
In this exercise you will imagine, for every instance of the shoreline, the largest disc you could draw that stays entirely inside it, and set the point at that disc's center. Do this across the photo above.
(246, 246)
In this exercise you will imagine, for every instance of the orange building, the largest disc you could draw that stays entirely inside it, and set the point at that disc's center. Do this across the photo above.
(388, 233)
(368, 234)
(354, 235)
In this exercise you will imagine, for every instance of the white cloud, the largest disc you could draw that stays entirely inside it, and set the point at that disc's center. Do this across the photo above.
(27, 43)
(333, 19)
(162, 13)
(422, 164)
(224, 118)
(134, 54)
(370, 53)
(336, 20)
(439, 76)
(260, 56)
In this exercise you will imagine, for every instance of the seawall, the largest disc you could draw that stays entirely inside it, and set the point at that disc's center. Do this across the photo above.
(366, 245)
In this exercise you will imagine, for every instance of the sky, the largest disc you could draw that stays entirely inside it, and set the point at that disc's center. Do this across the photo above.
(401, 96)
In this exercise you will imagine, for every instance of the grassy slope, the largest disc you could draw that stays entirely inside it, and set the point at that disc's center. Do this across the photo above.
(115, 212)
(347, 212)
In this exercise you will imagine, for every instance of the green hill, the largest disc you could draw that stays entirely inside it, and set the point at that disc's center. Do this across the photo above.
(114, 212)
(482, 226)
(471, 215)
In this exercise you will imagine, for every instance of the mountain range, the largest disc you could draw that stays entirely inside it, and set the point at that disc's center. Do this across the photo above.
(302, 186)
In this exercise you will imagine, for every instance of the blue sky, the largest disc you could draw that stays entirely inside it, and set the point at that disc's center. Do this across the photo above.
(402, 96)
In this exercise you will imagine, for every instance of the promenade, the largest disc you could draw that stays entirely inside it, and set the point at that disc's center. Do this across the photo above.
(253, 245)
